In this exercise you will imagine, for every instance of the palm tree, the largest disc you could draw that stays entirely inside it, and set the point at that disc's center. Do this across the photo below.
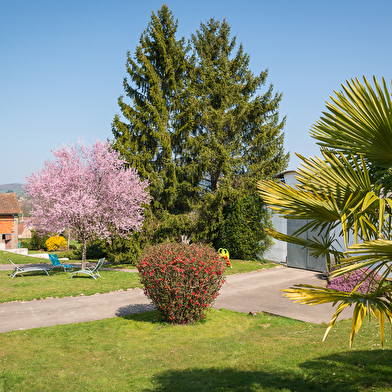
(348, 188)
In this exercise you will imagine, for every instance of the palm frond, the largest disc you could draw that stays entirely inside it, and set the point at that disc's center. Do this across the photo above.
(290, 202)
(349, 186)
(374, 255)
(377, 303)
(330, 192)
(323, 247)
(359, 122)
(341, 176)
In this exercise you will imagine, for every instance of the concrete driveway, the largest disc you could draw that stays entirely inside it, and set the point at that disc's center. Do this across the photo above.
(260, 291)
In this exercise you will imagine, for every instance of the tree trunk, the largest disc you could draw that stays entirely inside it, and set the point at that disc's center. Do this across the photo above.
(84, 251)
(69, 238)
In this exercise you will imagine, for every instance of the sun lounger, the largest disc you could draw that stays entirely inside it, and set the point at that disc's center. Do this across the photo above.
(22, 270)
(90, 272)
(56, 263)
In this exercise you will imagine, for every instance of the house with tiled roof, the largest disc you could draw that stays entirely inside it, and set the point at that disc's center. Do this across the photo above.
(9, 214)
(23, 231)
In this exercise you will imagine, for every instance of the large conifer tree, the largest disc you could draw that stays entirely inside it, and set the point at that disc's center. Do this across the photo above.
(195, 126)
(148, 135)
(237, 136)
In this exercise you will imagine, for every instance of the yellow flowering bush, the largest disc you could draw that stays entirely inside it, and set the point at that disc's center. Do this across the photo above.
(56, 243)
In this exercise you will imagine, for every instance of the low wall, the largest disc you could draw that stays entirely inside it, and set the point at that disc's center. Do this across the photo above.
(19, 251)
(40, 255)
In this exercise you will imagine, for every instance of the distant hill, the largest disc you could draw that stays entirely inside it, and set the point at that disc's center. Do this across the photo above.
(17, 188)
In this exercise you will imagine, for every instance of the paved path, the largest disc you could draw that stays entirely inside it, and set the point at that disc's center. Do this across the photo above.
(256, 291)
(260, 291)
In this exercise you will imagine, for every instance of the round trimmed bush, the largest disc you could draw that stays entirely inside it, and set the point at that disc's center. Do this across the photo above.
(56, 243)
(349, 281)
(181, 280)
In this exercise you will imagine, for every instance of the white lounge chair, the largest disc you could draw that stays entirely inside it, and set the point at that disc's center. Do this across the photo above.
(90, 272)
(22, 270)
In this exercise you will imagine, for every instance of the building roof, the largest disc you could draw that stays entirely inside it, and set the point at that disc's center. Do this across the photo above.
(21, 227)
(281, 175)
(9, 204)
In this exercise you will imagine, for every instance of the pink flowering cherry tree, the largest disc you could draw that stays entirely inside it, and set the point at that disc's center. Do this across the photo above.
(88, 189)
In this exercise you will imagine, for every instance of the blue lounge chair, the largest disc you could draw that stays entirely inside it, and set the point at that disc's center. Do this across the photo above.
(56, 263)
(90, 272)
(22, 270)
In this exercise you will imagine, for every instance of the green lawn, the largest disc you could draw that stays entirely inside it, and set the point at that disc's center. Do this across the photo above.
(38, 285)
(59, 284)
(242, 266)
(238, 266)
(20, 259)
(228, 351)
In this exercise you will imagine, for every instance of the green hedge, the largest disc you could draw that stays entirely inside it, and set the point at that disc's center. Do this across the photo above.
(242, 230)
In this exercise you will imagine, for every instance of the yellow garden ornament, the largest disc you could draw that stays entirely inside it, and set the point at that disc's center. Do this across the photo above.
(226, 256)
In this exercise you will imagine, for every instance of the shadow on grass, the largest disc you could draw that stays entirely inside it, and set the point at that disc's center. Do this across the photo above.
(125, 311)
(58, 271)
(341, 372)
(136, 313)
(354, 369)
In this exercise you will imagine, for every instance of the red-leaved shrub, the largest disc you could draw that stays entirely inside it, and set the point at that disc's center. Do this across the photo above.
(181, 280)
(350, 280)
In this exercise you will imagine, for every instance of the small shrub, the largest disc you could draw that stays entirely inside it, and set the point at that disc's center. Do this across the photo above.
(349, 281)
(93, 251)
(70, 255)
(122, 250)
(242, 229)
(181, 280)
(26, 244)
(37, 241)
(56, 243)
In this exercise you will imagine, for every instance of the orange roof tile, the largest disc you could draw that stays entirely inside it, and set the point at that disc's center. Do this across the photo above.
(9, 204)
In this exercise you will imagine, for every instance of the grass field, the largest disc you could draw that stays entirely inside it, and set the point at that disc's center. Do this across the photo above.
(238, 266)
(58, 285)
(20, 259)
(228, 351)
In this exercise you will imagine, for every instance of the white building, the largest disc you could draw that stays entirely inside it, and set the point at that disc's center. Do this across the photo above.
(290, 254)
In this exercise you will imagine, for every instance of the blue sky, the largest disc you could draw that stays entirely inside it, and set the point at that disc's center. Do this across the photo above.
(63, 62)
